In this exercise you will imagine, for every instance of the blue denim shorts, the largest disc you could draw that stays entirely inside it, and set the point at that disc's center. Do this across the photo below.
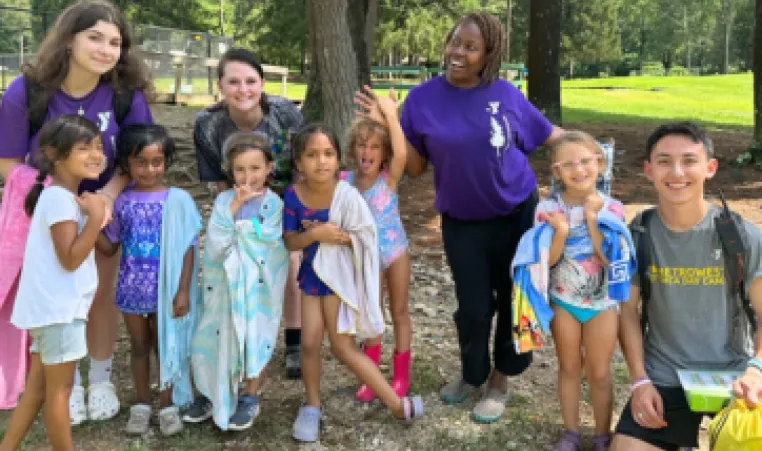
(59, 343)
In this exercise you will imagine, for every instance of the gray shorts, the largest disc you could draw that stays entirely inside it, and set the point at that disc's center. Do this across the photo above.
(59, 343)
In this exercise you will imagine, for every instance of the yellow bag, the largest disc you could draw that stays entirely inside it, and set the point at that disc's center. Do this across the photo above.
(736, 428)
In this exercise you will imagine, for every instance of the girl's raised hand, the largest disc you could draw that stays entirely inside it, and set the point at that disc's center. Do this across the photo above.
(389, 105)
(367, 102)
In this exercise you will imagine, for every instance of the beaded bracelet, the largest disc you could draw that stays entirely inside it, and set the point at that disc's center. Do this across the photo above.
(639, 383)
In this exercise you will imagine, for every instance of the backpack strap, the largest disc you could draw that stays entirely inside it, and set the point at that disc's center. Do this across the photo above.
(121, 103)
(732, 234)
(34, 91)
(639, 230)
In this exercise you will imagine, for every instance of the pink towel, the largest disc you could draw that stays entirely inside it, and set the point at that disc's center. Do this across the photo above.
(14, 227)
(14, 356)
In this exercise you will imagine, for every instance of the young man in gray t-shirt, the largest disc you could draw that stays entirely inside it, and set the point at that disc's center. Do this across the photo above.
(694, 320)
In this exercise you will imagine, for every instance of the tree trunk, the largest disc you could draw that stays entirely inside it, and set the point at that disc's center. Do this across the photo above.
(756, 146)
(334, 64)
(312, 109)
(357, 11)
(508, 29)
(371, 18)
(544, 48)
(727, 20)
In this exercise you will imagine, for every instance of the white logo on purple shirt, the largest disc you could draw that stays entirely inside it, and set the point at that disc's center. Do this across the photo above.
(497, 137)
(494, 107)
(104, 119)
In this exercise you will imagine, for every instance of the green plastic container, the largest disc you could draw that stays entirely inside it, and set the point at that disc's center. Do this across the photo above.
(707, 391)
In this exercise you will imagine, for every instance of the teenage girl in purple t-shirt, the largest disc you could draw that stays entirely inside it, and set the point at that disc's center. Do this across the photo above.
(85, 57)
(477, 131)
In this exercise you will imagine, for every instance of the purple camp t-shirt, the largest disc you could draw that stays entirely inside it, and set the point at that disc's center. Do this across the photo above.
(478, 140)
(97, 106)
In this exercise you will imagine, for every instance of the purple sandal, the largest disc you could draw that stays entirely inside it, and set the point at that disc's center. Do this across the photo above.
(570, 441)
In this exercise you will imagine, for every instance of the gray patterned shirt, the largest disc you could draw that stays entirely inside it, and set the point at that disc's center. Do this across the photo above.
(213, 125)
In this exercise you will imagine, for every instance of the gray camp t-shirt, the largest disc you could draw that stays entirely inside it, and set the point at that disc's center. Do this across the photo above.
(694, 322)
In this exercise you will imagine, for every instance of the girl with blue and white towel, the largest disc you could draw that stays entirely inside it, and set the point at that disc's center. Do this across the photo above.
(583, 289)
(157, 228)
(245, 268)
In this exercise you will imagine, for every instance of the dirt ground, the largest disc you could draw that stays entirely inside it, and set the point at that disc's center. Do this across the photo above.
(532, 420)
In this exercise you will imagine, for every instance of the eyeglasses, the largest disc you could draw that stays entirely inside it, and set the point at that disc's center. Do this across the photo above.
(569, 165)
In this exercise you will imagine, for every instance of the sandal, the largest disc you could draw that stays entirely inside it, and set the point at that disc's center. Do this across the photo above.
(102, 402)
(412, 407)
(570, 441)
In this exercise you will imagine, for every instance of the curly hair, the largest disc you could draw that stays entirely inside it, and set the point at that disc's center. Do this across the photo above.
(362, 130)
(51, 64)
(494, 42)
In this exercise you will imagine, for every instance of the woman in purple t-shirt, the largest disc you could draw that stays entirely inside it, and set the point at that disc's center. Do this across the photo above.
(477, 131)
(84, 59)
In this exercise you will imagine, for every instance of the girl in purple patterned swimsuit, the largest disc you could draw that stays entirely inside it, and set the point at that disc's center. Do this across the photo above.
(379, 153)
(144, 152)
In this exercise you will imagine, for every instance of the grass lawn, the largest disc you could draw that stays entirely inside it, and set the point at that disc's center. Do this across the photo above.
(721, 100)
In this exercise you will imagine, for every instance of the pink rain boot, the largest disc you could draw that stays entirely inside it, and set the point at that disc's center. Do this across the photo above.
(364, 393)
(401, 370)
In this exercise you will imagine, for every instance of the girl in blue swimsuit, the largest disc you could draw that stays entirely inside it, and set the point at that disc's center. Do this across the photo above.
(585, 317)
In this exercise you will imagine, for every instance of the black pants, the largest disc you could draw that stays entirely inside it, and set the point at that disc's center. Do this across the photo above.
(682, 424)
(479, 254)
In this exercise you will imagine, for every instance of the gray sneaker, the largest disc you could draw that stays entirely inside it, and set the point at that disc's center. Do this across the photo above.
(293, 362)
(169, 421)
(307, 424)
(455, 392)
(199, 411)
(140, 416)
(491, 407)
(245, 413)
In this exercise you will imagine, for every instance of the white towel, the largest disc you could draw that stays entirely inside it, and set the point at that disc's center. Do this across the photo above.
(352, 272)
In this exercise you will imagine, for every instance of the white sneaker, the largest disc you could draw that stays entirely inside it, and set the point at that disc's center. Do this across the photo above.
(169, 421)
(77, 408)
(140, 417)
(102, 403)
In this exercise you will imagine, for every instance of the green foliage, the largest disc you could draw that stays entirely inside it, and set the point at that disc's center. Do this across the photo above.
(14, 24)
(590, 31)
(275, 29)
